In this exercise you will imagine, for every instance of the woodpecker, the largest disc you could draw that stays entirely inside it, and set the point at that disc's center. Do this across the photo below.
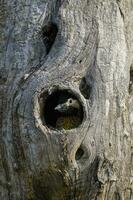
(70, 114)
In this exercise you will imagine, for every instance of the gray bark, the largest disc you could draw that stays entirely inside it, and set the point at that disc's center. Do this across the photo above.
(91, 56)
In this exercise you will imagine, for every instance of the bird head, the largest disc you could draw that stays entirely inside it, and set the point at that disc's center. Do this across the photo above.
(69, 106)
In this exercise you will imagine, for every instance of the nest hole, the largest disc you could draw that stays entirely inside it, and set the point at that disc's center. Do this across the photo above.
(79, 154)
(49, 33)
(62, 119)
(131, 80)
(85, 89)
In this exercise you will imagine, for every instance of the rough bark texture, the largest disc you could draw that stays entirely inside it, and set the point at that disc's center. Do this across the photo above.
(91, 56)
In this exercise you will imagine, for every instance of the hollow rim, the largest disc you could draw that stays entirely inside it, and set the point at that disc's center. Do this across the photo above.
(44, 93)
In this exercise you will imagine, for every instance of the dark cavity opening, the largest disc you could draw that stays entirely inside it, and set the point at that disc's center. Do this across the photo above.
(85, 89)
(131, 80)
(62, 119)
(79, 154)
(49, 33)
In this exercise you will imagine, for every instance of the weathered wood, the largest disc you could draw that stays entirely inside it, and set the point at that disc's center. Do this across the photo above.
(91, 57)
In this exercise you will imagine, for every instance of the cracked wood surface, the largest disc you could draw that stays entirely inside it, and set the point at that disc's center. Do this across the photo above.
(94, 43)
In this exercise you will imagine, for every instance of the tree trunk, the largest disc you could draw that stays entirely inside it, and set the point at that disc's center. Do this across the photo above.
(84, 49)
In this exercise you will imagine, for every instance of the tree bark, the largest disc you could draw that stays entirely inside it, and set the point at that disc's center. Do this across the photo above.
(85, 48)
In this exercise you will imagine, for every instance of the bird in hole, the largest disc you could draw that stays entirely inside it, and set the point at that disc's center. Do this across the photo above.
(70, 115)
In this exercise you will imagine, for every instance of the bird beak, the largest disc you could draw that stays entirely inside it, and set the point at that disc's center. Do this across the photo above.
(59, 107)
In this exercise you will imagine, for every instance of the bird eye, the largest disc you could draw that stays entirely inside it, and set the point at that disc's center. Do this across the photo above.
(70, 100)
